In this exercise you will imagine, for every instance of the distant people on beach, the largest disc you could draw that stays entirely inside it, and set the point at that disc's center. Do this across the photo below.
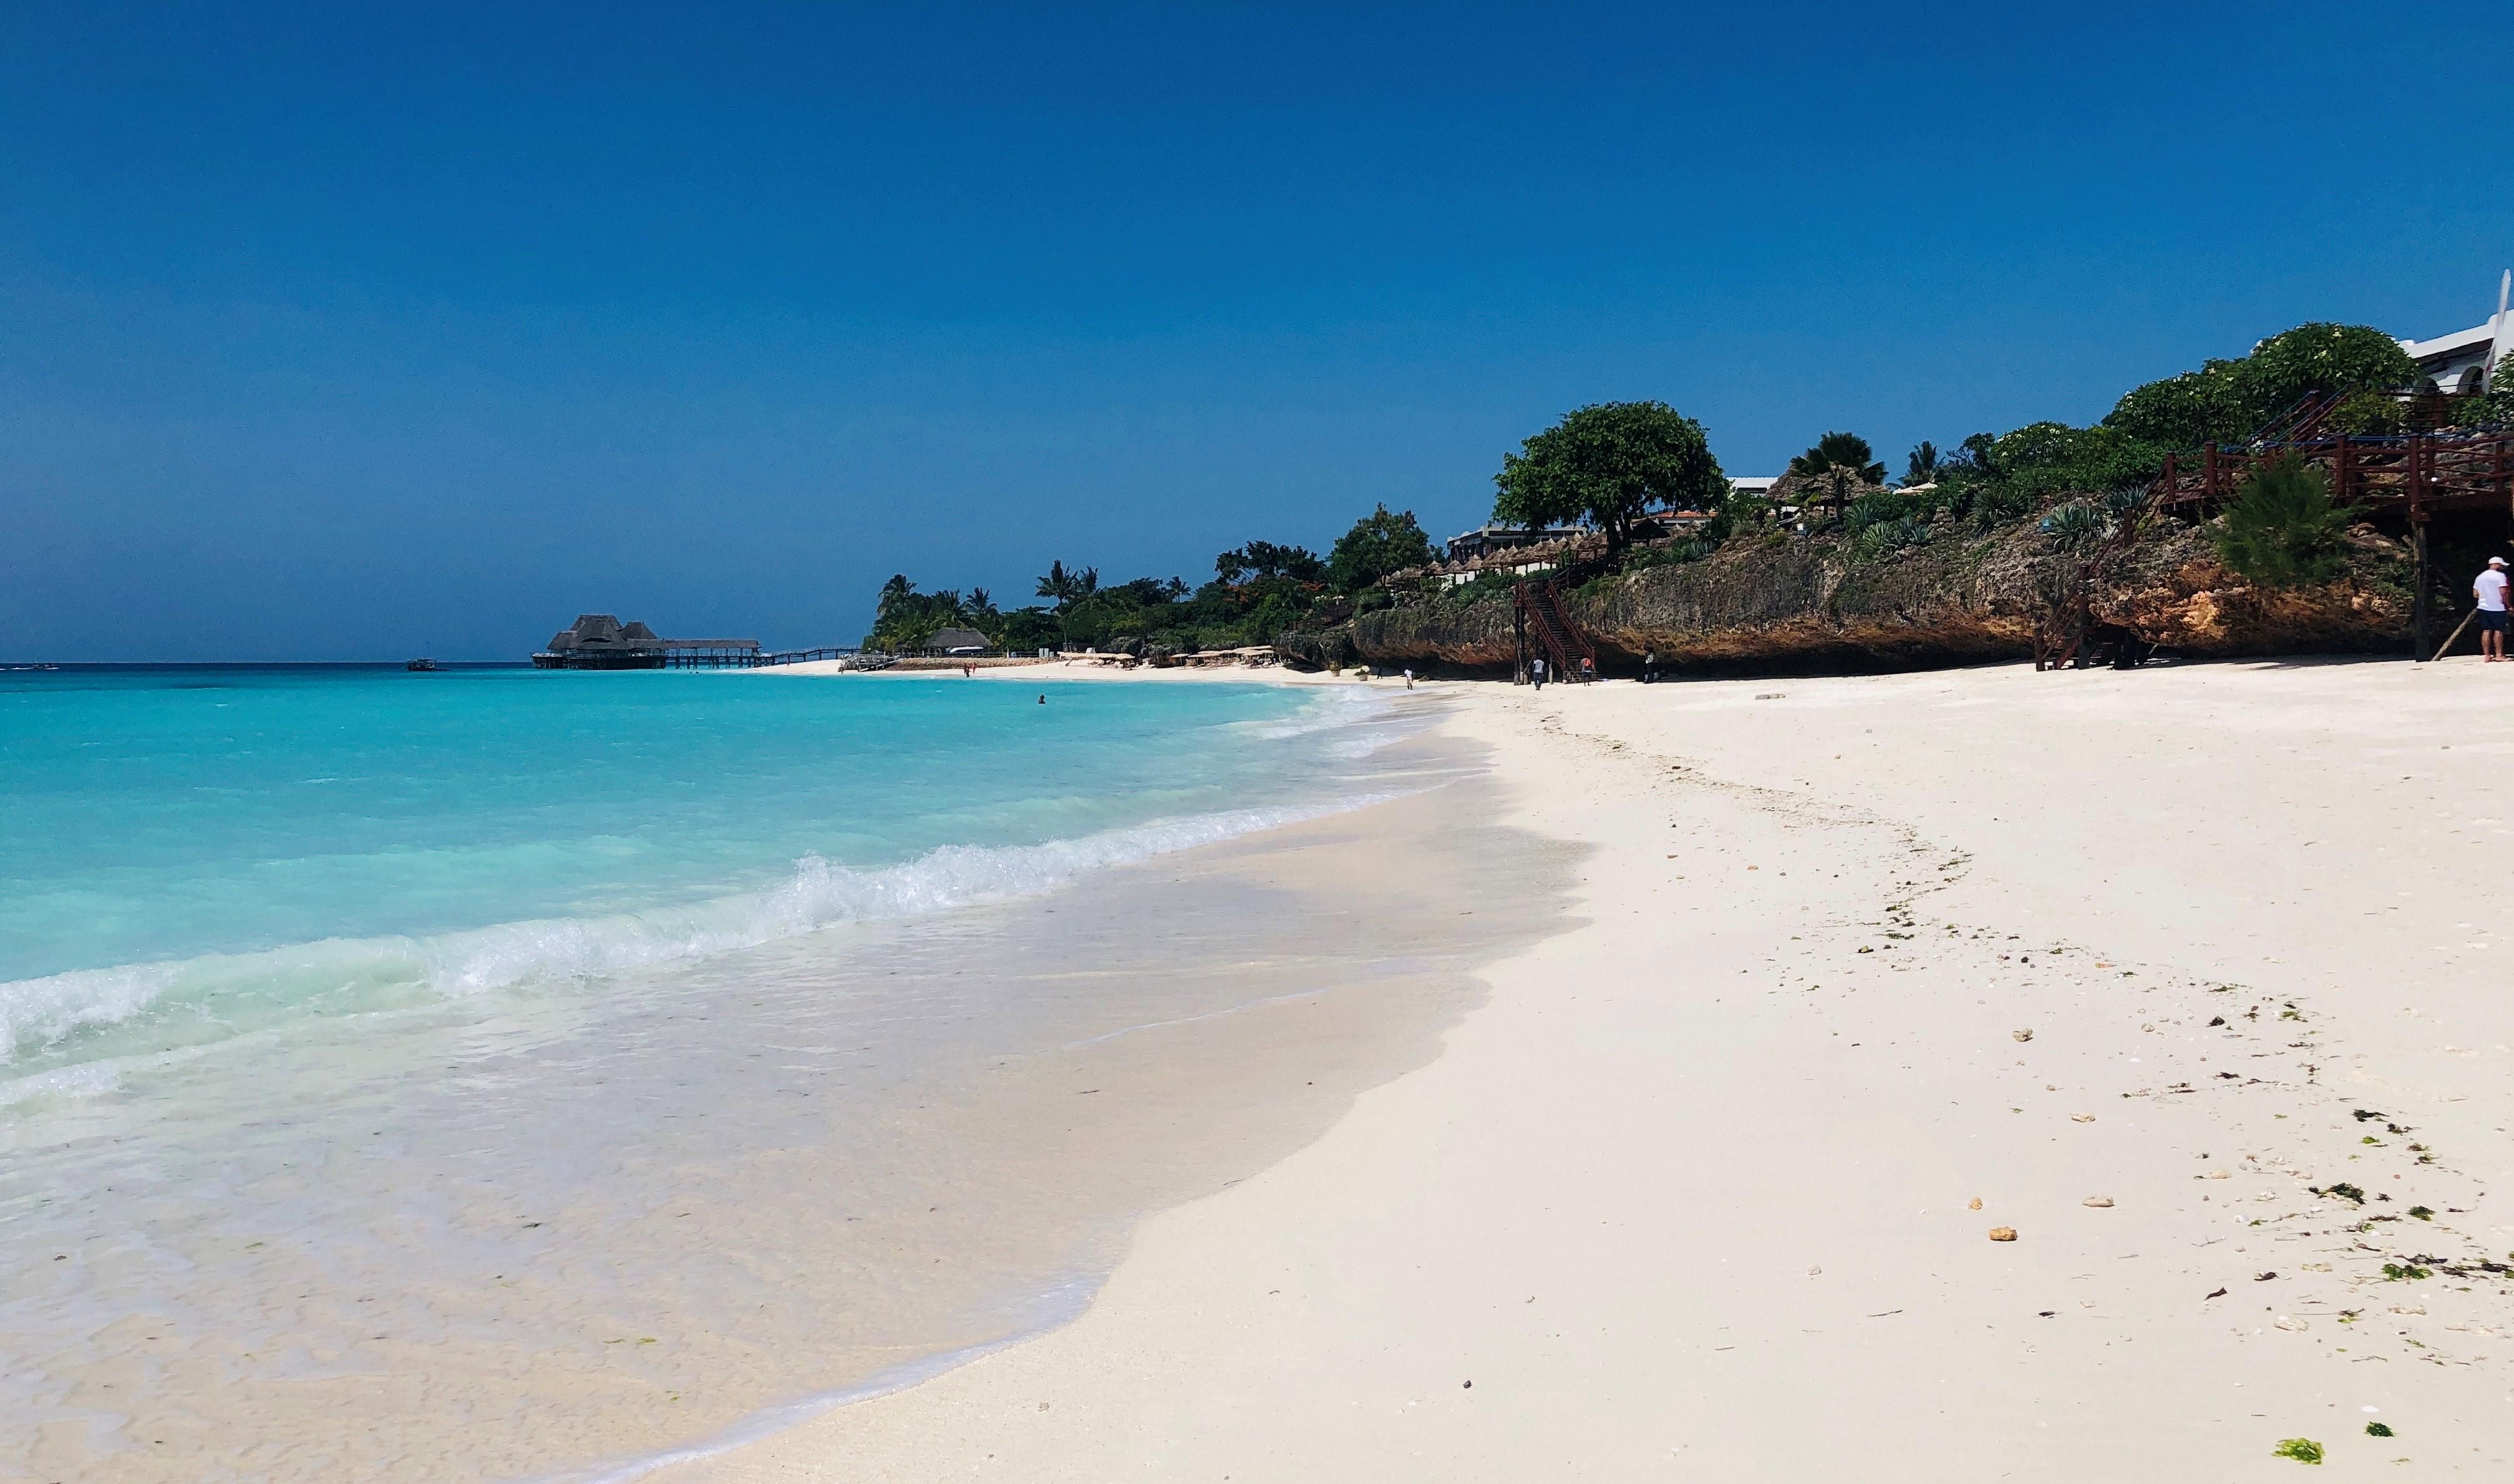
(1536, 671)
(1588, 669)
(1409, 677)
(2490, 590)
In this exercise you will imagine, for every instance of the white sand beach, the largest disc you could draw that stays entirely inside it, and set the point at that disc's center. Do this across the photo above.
(2129, 965)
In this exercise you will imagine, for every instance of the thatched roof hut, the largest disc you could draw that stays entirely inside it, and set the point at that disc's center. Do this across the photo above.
(958, 641)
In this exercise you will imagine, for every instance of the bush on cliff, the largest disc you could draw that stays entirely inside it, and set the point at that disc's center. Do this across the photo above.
(2076, 527)
(2283, 530)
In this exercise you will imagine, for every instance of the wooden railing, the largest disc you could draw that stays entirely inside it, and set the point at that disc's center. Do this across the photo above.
(2421, 471)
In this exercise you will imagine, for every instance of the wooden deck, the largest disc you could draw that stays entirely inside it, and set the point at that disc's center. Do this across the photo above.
(2418, 474)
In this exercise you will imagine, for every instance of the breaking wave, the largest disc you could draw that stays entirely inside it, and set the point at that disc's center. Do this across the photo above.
(46, 1020)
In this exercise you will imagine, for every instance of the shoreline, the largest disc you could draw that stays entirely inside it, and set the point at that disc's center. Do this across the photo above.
(1692, 1185)
(649, 1205)
(1070, 667)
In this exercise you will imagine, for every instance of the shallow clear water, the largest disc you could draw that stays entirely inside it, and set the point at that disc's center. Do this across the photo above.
(488, 1073)
(187, 853)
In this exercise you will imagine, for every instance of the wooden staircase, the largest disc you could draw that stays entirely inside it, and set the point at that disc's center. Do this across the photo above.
(1544, 631)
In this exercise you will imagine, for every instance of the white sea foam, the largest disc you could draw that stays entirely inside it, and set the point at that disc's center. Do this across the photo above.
(93, 1079)
(1326, 710)
(228, 990)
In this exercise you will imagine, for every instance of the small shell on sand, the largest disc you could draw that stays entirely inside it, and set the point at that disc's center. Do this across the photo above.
(2291, 1322)
(2002, 1233)
(2097, 1201)
(2220, 1173)
(2082, 1117)
(2022, 1035)
(1973, 1204)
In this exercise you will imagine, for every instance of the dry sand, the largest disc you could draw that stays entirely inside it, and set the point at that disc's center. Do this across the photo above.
(1693, 1196)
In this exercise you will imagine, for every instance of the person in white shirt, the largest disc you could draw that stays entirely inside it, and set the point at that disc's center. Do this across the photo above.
(2490, 590)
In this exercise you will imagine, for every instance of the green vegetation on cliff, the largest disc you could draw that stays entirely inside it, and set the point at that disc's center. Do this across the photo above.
(1258, 591)
(2043, 493)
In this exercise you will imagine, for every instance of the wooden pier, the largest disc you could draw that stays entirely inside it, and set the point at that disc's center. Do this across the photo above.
(689, 658)
(598, 641)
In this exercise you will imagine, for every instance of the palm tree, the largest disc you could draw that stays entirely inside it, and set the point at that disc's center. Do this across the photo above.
(1062, 588)
(1923, 466)
(1065, 588)
(1841, 451)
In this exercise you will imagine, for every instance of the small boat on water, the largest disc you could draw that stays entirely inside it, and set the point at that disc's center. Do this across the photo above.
(416, 666)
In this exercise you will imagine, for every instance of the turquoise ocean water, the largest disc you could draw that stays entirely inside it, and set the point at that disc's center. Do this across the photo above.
(574, 1053)
(186, 854)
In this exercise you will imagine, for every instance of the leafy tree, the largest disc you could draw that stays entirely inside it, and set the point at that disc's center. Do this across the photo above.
(2225, 401)
(1608, 463)
(2282, 529)
(1841, 451)
(1921, 466)
(1259, 560)
(2204, 406)
(1378, 545)
(1024, 629)
(2324, 358)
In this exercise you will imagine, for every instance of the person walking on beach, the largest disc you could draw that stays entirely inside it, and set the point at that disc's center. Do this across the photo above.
(2490, 590)
(1536, 671)
(1409, 677)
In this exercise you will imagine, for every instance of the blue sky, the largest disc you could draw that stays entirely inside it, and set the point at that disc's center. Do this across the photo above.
(334, 333)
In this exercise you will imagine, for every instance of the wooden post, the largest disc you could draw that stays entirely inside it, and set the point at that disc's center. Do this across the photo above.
(2418, 600)
(2455, 634)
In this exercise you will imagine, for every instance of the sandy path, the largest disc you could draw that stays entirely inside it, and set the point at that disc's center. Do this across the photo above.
(1689, 1197)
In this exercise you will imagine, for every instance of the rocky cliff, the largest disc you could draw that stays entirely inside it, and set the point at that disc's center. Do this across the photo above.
(1781, 602)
